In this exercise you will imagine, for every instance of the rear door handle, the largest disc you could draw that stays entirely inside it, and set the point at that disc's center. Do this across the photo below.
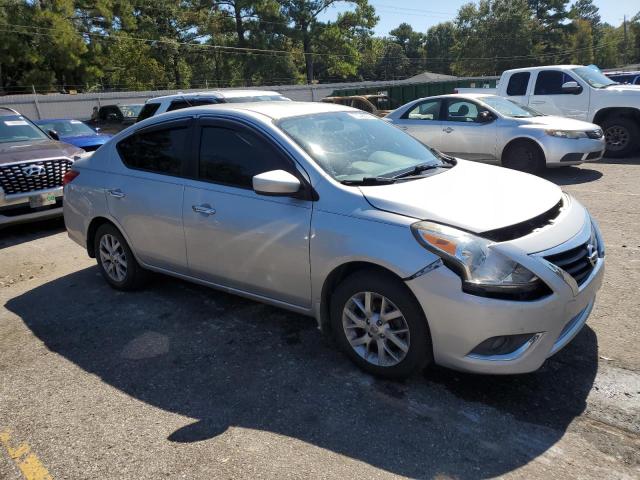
(117, 193)
(538, 102)
(402, 127)
(447, 130)
(204, 209)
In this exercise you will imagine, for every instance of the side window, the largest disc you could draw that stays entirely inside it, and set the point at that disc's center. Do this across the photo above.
(427, 110)
(177, 105)
(233, 157)
(159, 151)
(462, 111)
(549, 82)
(148, 110)
(518, 84)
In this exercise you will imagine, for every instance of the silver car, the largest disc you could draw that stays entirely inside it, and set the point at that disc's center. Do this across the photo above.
(493, 129)
(407, 256)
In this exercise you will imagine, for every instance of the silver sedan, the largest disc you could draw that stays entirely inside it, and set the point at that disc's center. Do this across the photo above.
(493, 129)
(407, 256)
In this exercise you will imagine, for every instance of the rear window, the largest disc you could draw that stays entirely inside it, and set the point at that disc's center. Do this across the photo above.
(160, 150)
(518, 84)
(190, 102)
(149, 110)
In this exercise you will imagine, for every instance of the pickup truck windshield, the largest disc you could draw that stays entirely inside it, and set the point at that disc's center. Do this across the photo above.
(354, 146)
(509, 108)
(18, 129)
(594, 77)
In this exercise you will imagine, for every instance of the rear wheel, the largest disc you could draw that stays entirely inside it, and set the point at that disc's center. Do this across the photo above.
(116, 261)
(524, 156)
(379, 325)
(621, 135)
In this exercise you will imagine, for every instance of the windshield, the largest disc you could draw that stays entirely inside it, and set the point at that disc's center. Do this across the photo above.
(509, 108)
(594, 77)
(351, 146)
(19, 129)
(257, 98)
(66, 128)
(131, 111)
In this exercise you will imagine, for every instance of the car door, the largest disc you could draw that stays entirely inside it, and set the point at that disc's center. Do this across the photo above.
(145, 192)
(236, 237)
(465, 134)
(548, 96)
(422, 121)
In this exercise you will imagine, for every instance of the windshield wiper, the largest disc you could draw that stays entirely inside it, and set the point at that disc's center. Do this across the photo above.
(370, 181)
(418, 169)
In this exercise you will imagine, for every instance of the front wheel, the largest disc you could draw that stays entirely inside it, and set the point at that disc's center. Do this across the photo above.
(524, 156)
(621, 135)
(379, 325)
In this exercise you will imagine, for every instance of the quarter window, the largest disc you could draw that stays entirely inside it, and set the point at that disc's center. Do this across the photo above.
(427, 110)
(160, 151)
(518, 84)
(233, 157)
(549, 82)
(190, 102)
(149, 110)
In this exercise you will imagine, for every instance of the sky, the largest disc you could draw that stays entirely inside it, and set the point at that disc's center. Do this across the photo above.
(422, 14)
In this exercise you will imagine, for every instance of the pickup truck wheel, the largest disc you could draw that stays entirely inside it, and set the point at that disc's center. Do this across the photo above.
(621, 135)
(116, 261)
(378, 323)
(524, 156)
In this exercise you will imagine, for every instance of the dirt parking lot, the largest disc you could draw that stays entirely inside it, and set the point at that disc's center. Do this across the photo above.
(179, 381)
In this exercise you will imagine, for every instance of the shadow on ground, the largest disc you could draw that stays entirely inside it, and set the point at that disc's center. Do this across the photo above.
(571, 175)
(227, 362)
(27, 232)
(632, 160)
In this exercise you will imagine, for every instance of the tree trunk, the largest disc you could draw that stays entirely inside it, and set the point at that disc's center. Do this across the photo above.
(308, 57)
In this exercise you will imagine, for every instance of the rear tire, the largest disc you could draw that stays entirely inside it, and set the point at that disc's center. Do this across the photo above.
(621, 135)
(116, 261)
(524, 156)
(394, 325)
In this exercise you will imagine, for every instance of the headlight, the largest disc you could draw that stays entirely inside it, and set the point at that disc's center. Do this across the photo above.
(483, 270)
(566, 133)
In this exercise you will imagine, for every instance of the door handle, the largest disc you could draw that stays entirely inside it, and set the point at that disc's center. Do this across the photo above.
(117, 193)
(538, 102)
(204, 209)
(447, 130)
(403, 127)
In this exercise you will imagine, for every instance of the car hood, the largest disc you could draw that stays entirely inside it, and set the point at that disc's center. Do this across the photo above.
(557, 123)
(471, 196)
(36, 150)
(86, 140)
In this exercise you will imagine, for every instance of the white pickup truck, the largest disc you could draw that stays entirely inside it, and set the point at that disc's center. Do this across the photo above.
(579, 92)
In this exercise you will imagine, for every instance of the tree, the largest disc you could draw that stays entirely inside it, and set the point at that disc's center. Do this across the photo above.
(582, 43)
(412, 43)
(393, 64)
(551, 29)
(439, 43)
(586, 10)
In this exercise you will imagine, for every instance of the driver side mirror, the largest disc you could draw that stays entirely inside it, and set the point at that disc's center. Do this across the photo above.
(53, 134)
(572, 88)
(485, 116)
(276, 183)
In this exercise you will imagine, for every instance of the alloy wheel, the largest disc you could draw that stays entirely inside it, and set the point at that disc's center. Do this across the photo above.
(113, 258)
(617, 137)
(376, 329)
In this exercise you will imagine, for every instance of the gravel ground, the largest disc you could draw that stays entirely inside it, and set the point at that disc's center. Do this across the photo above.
(179, 381)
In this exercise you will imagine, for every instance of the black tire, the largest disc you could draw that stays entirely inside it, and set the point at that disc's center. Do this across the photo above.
(419, 353)
(134, 277)
(524, 156)
(622, 136)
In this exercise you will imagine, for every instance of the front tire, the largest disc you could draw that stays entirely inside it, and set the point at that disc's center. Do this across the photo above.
(621, 135)
(525, 157)
(116, 261)
(378, 323)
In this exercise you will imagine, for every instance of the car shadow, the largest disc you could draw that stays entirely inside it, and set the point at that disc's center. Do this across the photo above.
(26, 232)
(571, 175)
(225, 361)
(631, 160)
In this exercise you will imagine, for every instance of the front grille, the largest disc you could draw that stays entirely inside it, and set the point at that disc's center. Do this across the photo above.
(595, 134)
(13, 178)
(575, 261)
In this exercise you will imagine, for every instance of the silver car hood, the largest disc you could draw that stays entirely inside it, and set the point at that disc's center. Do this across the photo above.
(471, 196)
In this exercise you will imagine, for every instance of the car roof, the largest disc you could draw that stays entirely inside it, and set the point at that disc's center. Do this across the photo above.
(216, 94)
(543, 67)
(8, 112)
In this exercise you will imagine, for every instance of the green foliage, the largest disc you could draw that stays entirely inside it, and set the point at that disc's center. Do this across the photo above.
(62, 45)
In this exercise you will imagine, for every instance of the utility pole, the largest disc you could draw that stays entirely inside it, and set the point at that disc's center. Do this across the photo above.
(626, 43)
